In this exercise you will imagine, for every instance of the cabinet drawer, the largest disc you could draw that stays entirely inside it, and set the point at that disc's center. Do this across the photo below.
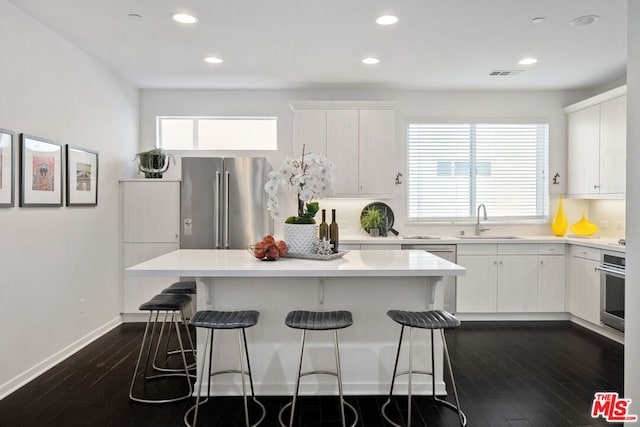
(348, 246)
(370, 247)
(517, 249)
(586, 253)
(551, 249)
(478, 249)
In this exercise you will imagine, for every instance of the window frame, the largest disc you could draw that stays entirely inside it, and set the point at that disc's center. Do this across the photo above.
(196, 133)
(542, 179)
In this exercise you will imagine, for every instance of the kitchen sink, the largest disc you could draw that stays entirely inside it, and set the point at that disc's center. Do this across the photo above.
(488, 237)
(422, 237)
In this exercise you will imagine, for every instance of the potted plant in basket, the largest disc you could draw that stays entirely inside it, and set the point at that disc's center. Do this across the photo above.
(153, 163)
(310, 177)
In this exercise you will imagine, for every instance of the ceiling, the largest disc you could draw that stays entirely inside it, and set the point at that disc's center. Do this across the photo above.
(437, 44)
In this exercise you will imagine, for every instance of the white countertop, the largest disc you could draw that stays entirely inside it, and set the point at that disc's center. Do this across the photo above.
(239, 263)
(594, 242)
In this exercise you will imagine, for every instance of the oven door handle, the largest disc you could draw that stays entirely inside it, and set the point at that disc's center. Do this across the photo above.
(619, 273)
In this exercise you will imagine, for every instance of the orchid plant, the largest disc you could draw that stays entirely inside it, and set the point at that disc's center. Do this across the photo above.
(309, 177)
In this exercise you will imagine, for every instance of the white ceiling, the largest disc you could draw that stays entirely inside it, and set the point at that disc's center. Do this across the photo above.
(437, 44)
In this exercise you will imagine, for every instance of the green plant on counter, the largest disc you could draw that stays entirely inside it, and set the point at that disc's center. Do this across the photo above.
(372, 219)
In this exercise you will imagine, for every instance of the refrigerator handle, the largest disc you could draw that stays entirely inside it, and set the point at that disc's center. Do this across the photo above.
(216, 211)
(227, 244)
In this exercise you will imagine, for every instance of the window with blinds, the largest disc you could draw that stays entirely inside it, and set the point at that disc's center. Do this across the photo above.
(453, 167)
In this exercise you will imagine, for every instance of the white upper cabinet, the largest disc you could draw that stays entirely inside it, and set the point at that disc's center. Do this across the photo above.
(358, 138)
(584, 145)
(342, 149)
(376, 149)
(597, 141)
(613, 150)
(310, 130)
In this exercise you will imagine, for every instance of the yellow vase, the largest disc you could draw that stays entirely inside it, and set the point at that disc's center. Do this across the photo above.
(584, 227)
(560, 222)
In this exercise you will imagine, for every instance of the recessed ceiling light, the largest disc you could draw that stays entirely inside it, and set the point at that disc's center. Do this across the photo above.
(387, 20)
(185, 18)
(584, 20)
(370, 61)
(527, 61)
(538, 20)
(213, 60)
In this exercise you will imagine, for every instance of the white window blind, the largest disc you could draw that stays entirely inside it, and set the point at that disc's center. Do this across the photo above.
(453, 167)
(217, 133)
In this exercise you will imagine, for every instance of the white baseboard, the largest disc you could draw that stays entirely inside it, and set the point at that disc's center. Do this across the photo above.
(508, 317)
(134, 317)
(37, 370)
(605, 331)
(420, 388)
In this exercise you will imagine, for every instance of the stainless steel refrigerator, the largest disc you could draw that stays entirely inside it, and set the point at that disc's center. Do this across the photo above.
(223, 202)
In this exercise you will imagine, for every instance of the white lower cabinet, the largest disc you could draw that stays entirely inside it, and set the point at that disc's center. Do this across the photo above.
(551, 283)
(140, 289)
(517, 284)
(511, 278)
(477, 290)
(584, 285)
(150, 212)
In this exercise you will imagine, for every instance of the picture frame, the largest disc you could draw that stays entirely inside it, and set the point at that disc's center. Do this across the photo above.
(82, 176)
(40, 172)
(7, 168)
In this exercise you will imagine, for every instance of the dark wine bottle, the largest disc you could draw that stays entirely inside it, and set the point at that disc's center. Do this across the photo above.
(324, 227)
(333, 231)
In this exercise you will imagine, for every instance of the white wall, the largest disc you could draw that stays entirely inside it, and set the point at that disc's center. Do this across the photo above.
(632, 312)
(546, 105)
(50, 258)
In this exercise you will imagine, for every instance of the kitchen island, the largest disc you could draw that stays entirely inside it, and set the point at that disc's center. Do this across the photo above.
(368, 283)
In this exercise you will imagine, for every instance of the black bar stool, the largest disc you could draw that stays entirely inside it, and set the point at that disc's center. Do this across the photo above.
(212, 320)
(167, 303)
(319, 321)
(435, 319)
(185, 287)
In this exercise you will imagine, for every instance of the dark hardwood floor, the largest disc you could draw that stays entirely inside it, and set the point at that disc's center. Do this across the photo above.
(508, 373)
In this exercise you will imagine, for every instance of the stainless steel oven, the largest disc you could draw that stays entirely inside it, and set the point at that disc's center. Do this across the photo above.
(612, 272)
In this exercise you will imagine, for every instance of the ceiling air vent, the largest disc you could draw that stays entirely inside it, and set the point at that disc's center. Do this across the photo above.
(504, 73)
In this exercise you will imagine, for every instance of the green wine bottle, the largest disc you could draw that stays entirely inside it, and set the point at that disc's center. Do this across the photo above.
(324, 227)
(333, 231)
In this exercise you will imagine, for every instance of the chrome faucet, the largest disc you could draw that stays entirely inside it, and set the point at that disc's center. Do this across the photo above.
(478, 227)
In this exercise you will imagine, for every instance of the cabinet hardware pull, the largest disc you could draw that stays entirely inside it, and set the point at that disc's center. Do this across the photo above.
(595, 187)
(399, 178)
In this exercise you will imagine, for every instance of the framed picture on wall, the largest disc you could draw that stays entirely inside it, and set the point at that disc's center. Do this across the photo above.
(6, 168)
(40, 172)
(82, 176)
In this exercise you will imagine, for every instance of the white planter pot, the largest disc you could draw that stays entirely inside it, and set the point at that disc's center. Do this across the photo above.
(300, 238)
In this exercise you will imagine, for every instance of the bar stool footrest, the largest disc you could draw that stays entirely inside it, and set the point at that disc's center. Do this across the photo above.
(347, 404)
(191, 409)
(435, 399)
